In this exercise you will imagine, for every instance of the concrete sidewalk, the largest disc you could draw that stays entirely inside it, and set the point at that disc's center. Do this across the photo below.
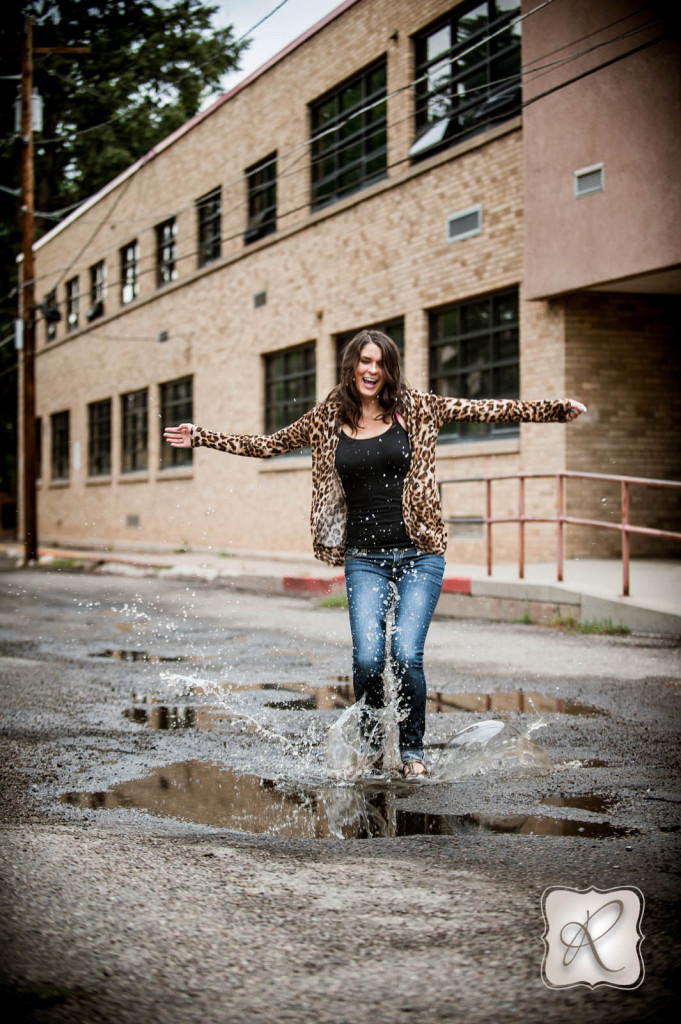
(589, 593)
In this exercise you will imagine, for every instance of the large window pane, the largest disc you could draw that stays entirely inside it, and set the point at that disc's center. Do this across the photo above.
(467, 73)
(262, 199)
(349, 137)
(177, 406)
(59, 454)
(135, 431)
(474, 353)
(290, 385)
(99, 438)
(209, 214)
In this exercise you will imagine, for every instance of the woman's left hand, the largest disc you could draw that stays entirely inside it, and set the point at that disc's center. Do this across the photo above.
(576, 410)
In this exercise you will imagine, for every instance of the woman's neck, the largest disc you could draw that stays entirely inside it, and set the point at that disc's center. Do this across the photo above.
(371, 410)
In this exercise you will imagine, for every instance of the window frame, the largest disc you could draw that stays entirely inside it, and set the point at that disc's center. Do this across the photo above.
(328, 143)
(494, 102)
(135, 431)
(97, 290)
(175, 409)
(209, 227)
(492, 366)
(261, 181)
(129, 261)
(280, 412)
(72, 288)
(166, 252)
(99, 438)
(60, 446)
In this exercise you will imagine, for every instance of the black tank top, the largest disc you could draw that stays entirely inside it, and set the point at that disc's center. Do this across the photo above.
(372, 471)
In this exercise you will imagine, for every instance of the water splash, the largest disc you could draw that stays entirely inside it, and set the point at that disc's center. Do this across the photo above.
(360, 737)
(488, 746)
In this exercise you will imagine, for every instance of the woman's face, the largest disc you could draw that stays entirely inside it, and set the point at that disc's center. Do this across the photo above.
(369, 375)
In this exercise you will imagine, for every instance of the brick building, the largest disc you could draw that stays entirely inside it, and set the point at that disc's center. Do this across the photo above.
(498, 194)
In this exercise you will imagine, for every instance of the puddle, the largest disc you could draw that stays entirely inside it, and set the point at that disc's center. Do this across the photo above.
(162, 716)
(521, 701)
(132, 654)
(597, 804)
(340, 694)
(207, 794)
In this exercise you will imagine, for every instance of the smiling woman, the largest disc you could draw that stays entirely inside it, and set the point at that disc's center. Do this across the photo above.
(376, 510)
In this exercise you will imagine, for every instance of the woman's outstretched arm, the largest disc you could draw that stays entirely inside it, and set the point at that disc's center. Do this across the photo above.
(505, 410)
(259, 446)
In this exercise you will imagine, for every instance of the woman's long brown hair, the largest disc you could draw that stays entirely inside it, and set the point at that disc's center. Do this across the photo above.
(345, 393)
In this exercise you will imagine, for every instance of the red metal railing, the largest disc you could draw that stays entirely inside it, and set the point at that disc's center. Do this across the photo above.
(624, 526)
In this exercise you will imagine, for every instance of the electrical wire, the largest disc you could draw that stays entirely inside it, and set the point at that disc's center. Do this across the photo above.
(366, 108)
(495, 84)
(304, 145)
(117, 117)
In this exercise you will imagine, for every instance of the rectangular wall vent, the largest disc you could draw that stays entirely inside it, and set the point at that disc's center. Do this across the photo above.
(259, 299)
(590, 179)
(132, 522)
(464, 224)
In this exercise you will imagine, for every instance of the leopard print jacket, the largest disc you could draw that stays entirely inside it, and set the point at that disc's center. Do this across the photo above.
(424, 415)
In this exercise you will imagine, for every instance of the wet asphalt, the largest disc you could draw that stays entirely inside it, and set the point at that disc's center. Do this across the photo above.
(174, 850)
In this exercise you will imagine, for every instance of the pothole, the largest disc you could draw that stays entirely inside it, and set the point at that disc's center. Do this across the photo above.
(206, 793)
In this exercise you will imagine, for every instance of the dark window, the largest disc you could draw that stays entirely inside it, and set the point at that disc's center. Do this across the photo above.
(59, 422)
(474, 353)
(135, 430)
(166, 253)
(97, 290)
(393, 328)
(349, 137)
(99, 438)
(262, 199)
(467, 73)
(209, 214)
(177, 406)
(72, 303)
(51, 314)
(290, 385)
(129, 272)
(38, 448)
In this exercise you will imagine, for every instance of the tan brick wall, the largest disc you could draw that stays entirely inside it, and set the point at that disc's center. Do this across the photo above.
(623, 360)
(380, 254)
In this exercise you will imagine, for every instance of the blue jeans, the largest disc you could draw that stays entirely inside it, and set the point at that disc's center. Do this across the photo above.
(414, 580)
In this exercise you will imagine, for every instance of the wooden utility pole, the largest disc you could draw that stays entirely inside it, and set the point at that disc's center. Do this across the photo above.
(28, 284)
(28, 297)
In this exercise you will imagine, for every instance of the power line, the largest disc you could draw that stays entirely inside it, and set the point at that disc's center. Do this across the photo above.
(117, 117)
(308, 142)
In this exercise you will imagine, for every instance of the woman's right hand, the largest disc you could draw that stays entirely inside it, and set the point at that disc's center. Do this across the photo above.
(179, 437)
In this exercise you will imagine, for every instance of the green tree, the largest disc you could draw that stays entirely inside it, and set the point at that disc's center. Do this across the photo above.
(152, 66)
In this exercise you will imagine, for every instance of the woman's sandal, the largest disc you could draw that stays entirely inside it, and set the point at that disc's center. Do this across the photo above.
(414, 769)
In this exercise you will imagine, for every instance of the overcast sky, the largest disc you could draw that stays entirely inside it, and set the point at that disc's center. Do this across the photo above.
(293, 18)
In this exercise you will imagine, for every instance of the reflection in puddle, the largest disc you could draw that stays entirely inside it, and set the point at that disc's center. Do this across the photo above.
(521, 701)
(207, 794)
(593, 802)
(132, 654)
(341, 695)
(161, 716)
